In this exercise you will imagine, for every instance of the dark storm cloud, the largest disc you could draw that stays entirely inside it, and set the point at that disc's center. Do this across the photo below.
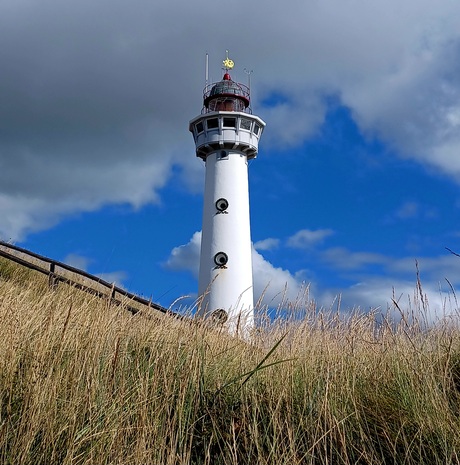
(95, 97)
(84, 114)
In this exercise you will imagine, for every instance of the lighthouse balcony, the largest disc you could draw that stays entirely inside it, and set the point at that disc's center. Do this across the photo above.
(229, 130)
(204, 150)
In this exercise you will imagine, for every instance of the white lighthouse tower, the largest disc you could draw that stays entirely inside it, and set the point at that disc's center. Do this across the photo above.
(226, 136)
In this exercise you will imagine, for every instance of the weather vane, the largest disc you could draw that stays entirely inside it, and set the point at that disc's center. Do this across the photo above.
(228, 64)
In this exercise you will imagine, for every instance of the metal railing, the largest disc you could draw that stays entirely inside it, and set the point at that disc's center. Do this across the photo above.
(60, 272)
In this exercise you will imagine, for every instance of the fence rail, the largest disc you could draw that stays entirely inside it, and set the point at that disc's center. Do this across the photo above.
(60, 272)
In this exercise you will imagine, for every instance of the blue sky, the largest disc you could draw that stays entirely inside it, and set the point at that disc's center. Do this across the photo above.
(358, 173)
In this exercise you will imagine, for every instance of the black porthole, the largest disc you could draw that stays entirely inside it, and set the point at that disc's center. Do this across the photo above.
(220, 259)
(219, 316)
(222, 204)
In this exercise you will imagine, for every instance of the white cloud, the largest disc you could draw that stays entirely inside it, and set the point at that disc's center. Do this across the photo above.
(21, 215)
(356, 266)
(77, 261)
(276, 286)
(114, 277)
(292, 122)
(397, 279)
(186, 257)
(272, 284)
(267, 244)
(429, 303)
(435, 269)
(343, 259)
(307, 238)
(414, 107)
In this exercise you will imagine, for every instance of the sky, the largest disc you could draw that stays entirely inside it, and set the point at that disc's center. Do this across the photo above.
(354, 194)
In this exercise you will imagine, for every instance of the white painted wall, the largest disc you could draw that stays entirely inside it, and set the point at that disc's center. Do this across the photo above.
(229, 288)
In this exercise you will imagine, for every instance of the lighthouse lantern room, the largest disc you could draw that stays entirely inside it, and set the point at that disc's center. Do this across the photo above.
(226, 136)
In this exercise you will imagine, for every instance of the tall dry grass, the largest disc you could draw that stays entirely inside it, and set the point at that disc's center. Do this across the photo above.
(82, 382)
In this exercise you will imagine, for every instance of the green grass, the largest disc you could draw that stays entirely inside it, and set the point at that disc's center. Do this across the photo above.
(82, 382)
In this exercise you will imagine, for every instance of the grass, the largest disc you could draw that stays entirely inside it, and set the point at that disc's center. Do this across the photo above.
(83, 382)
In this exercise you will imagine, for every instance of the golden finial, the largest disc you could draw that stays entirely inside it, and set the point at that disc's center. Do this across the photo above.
(228, 64)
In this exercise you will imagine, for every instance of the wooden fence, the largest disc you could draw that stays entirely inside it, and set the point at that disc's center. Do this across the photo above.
(58, 272)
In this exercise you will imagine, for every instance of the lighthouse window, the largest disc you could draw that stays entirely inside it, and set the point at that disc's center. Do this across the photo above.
(213, 123)
(256, 129)
(199, 127)
(245, 124)
(229, 122)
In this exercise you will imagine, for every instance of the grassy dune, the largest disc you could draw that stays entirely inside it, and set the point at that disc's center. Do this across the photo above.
(82, 382)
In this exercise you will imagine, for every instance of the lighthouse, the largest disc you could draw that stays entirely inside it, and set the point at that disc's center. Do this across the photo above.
(226, 135)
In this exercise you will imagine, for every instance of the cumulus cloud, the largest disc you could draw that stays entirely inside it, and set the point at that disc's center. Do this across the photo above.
(267, 244)
(425, 284)
(78, 261)
(435, 269)
(344, 259)
(291, 122)
(95, 107)
(114, 277)
(360, 263)
(186, 257)
(84, 122)
(306, 238)
(271, 284)
(414, 284)
(429, 302)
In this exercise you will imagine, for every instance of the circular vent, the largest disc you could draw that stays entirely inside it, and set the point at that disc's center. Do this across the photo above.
(219, 316)
(222, 204)
(220, 259)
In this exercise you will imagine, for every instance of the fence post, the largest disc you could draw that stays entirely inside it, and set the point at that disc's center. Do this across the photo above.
(52, 278)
